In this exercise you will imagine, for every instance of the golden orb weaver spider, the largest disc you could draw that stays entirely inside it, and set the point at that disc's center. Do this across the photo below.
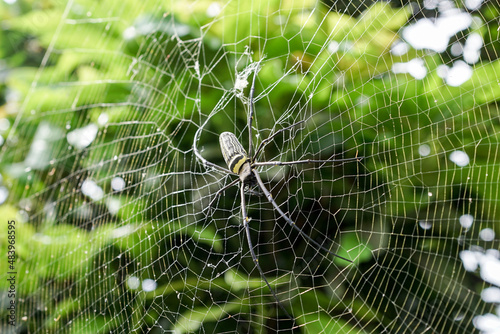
(243, 165)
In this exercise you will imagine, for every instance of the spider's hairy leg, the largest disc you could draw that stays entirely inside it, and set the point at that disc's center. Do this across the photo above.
(220, 191)
(246, 220)
(251, 111)
(268, 139)
(253, 192)
(288, 220)
(307, 161)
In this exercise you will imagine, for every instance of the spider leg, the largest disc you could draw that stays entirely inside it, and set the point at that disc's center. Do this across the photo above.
(204, 161)
(307, 161)
(208, 163)
(220, 191)
(246, 220)
(253, 192)
(268, 139)
(289, 221)
(211, 164)
(251, 111)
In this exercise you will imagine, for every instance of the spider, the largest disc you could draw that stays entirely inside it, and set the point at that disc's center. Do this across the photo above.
(243, 165)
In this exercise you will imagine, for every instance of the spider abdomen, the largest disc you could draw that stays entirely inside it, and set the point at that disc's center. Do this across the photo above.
(233, 152)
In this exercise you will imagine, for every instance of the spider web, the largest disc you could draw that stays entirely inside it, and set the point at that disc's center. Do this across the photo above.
(114, 233)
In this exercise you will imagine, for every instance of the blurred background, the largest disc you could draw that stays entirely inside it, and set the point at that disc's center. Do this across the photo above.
(102, 105)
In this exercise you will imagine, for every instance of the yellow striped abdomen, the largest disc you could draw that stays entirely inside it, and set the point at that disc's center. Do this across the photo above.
(233, 152)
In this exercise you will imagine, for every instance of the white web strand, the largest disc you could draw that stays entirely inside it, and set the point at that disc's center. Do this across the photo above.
(113, 158)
